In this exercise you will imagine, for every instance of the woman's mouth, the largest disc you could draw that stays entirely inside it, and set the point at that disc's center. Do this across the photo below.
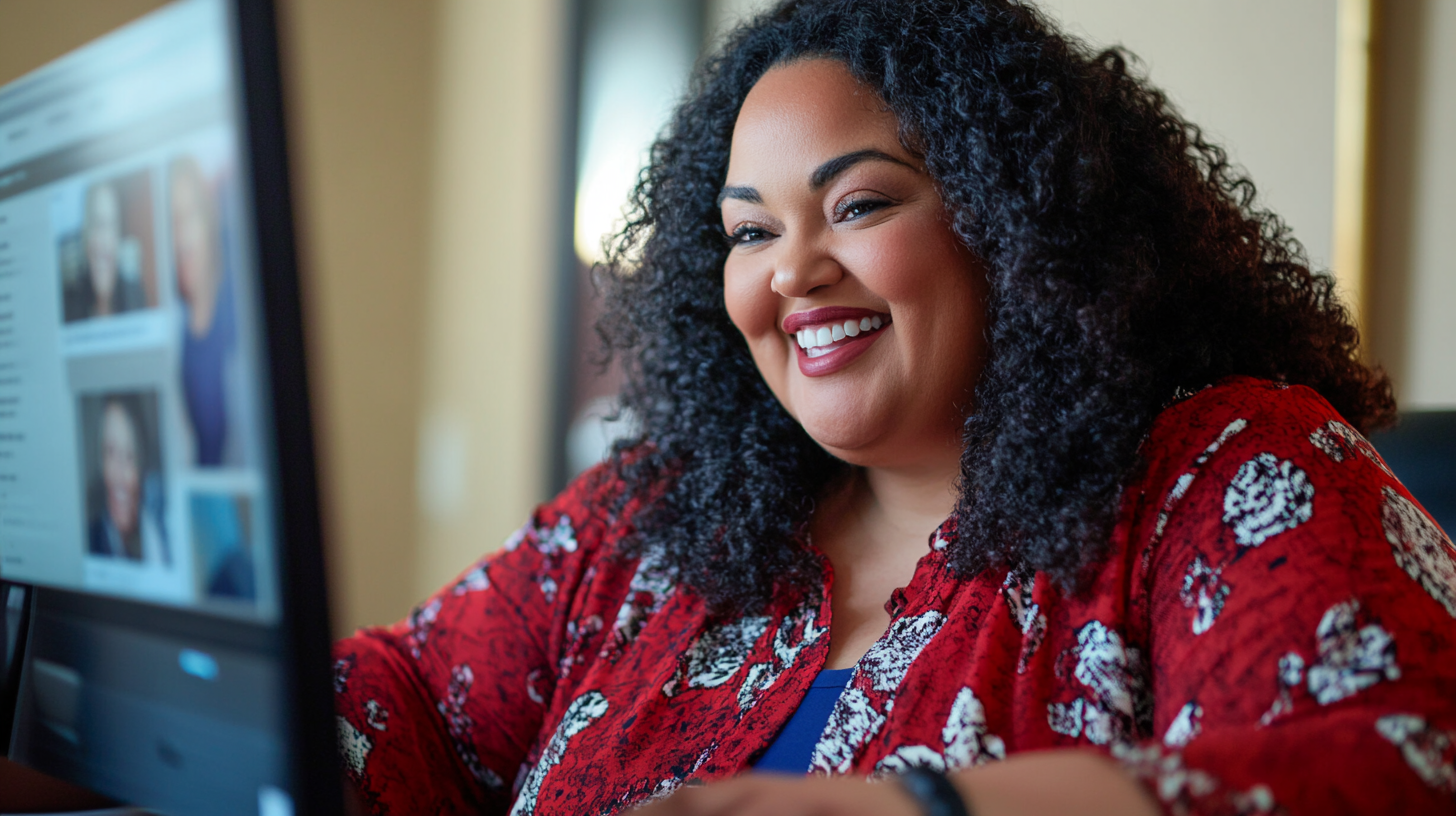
(821, 340)
(831, 338)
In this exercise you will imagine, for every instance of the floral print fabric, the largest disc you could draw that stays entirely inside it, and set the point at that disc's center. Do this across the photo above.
(1272, 630)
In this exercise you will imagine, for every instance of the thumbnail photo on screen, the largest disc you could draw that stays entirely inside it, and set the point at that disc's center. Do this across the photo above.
(105, 247)
(204, 278)
(121, 464)
(223, 537)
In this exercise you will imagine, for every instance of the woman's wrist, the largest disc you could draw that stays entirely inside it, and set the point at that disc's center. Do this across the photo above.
(934, 793)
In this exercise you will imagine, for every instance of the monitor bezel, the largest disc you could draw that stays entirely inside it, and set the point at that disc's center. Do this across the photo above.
(313, 756)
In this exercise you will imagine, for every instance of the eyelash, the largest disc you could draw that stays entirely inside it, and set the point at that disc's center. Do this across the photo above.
(741, 235)
(844, 211)
(751, 234)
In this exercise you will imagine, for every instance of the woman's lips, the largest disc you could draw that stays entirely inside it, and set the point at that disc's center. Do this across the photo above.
(830, 338)
(826, 315)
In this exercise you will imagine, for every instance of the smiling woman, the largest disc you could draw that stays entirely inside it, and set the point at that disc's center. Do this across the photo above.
(833, 222)
(991, 441)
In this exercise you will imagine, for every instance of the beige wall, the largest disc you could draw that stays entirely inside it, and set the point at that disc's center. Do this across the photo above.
(1414, 275)
(1260, 76)
(483, 438)
(427, 138)
(427, 135)
(1257, 76)
(362, 79)
(34, 32)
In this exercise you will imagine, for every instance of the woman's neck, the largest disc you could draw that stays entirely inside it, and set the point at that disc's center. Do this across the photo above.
(890, 508)
(908, 501)
(200, 311)
(875, 526)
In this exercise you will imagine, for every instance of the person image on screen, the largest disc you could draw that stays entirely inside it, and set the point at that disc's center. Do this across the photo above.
(220, 531)
(998, 454)
(104, 290)
(209, 332)
(124, 526)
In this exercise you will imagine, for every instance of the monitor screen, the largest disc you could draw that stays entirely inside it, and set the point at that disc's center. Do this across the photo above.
(131, 458)
(140, 490)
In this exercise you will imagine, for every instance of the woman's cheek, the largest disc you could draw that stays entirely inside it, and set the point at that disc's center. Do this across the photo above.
(751, 304)
(753, 309)
(896, 263)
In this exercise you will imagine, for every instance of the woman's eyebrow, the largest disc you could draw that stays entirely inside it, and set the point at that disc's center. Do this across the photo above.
(822, 175)
(749, 194)
(828, 170)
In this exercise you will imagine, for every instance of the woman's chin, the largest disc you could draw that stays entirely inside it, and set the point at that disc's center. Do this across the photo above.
(883, 442)
(855, 443)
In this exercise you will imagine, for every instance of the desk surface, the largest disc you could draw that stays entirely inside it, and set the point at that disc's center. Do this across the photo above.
(23, 790)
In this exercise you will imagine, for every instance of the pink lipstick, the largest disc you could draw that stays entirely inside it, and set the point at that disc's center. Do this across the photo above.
(831, 337)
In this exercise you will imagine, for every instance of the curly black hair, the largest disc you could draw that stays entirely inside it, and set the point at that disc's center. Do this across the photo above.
(1129, 265)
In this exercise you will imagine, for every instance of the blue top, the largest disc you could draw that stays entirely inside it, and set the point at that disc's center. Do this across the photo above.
(793, 748)
(204, 362)
(205, 359)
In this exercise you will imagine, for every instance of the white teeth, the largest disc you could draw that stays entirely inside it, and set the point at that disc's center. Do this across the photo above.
(812, 339)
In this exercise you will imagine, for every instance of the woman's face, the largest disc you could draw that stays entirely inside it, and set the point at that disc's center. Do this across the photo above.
(842, 244)
(103, 239)
(190, 236)
(120, 468)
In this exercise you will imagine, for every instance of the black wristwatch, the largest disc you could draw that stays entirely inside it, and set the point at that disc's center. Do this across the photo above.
(935, 793)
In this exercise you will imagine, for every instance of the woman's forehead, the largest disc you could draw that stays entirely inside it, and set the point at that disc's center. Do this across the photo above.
(117, 425)
(802, 113)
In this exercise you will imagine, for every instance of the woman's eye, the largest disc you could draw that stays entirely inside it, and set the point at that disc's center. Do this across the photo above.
(857, 208)
(748, 234)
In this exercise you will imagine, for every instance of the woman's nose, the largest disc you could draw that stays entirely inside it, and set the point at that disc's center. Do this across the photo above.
(803, 268)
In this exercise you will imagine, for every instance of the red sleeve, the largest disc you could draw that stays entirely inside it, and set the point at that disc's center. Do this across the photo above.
(1302, 624)
(437, 713)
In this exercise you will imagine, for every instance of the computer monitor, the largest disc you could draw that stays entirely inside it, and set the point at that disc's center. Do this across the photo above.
(164, 609)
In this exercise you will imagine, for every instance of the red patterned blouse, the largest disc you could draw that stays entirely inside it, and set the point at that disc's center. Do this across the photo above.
(1273, 628)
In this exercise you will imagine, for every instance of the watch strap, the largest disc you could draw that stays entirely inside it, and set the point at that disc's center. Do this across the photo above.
(934, 792)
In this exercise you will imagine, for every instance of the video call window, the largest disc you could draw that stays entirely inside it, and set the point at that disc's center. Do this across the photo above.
(105, 247)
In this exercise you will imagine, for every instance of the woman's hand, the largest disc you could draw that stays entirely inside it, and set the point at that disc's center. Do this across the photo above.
(1067, 782)
(781, 795)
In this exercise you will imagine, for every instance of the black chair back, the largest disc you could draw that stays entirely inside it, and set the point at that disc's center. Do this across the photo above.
(1421, 450)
